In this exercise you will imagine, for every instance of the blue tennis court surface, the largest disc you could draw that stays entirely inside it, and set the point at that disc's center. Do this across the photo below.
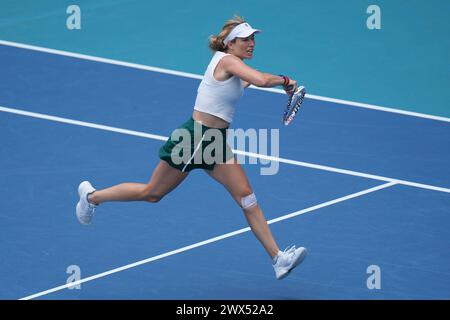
(389, 209)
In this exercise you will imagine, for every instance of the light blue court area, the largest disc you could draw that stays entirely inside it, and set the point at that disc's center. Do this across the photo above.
(359, 188)
(325, 44)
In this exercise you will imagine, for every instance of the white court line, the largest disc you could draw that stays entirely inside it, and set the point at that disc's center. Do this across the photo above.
(343, 171)
(249, 154)
(205, 242)
(83, 123)
(196, 76)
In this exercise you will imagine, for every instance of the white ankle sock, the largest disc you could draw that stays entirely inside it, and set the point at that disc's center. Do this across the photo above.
(275, 259)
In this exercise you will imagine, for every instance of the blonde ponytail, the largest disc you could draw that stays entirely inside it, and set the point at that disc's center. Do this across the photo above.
(216, 41)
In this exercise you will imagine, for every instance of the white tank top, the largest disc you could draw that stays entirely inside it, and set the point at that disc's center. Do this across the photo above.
(218, 97)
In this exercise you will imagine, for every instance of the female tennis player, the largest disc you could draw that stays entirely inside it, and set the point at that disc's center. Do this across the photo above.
(222, 85)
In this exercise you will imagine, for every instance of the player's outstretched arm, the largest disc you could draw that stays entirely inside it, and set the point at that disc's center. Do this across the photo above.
(237, 67)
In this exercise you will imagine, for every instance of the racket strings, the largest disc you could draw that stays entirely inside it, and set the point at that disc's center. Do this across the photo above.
(293, 105)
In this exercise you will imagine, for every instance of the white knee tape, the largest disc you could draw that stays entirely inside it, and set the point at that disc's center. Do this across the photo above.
(248, 201)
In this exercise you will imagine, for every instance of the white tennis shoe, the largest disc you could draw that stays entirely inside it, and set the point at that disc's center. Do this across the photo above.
(287, 260)
(85, 210)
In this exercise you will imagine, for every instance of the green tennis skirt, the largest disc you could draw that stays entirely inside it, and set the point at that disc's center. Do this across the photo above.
(195, 146)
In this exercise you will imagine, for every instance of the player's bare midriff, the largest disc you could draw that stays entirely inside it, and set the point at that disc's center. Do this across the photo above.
(209, 120)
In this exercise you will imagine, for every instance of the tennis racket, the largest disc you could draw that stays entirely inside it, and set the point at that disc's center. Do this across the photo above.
(293, 105)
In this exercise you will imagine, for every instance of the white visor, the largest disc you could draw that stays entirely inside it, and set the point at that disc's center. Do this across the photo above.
(242, 30)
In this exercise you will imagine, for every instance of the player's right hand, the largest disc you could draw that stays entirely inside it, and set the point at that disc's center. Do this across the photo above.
(291, 87)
